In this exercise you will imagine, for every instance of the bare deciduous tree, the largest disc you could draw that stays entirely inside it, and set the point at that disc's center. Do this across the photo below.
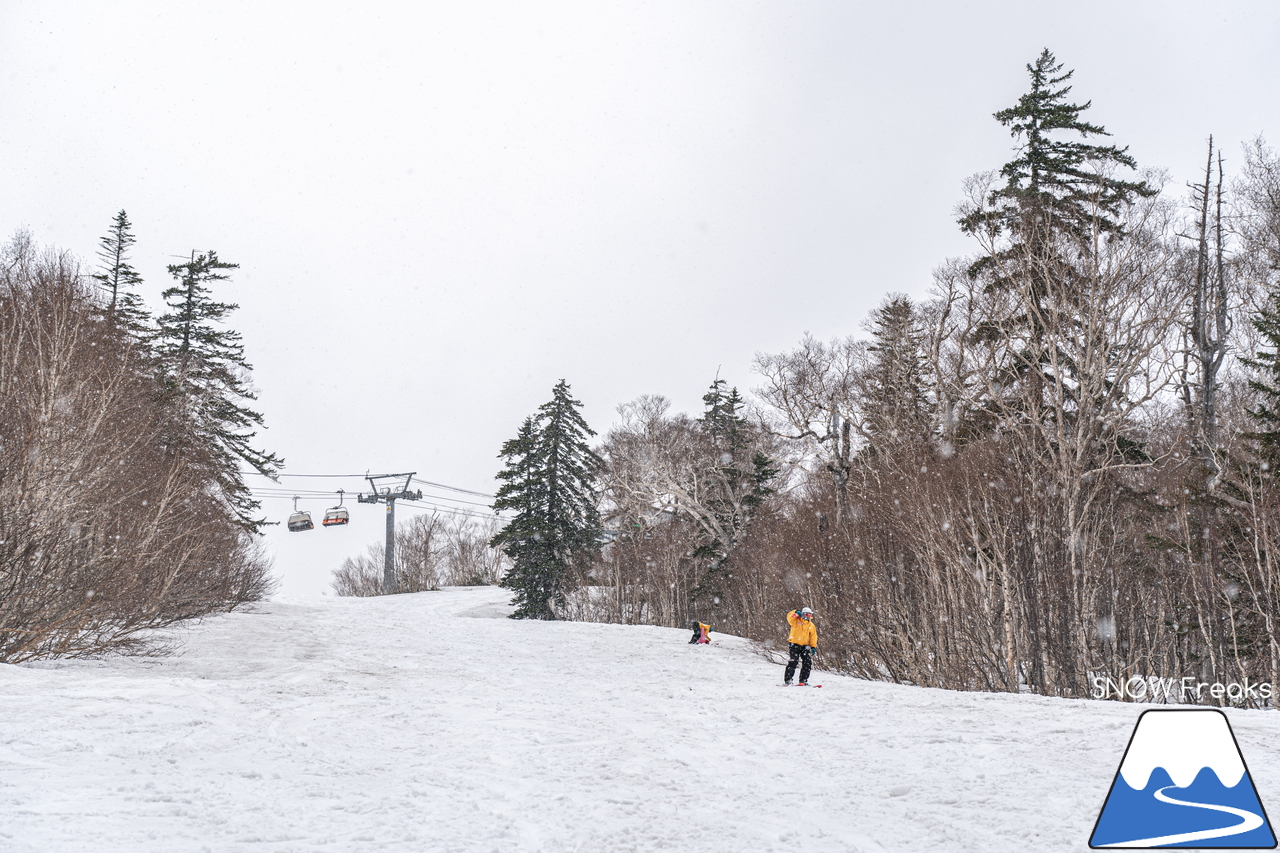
(105, 528)
(812, 394)
(431, 551)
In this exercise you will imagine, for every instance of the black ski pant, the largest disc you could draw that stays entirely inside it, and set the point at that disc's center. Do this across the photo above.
(802, 655)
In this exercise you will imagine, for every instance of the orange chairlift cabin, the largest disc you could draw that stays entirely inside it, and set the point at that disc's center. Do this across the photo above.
(299, 521)
(336, 514)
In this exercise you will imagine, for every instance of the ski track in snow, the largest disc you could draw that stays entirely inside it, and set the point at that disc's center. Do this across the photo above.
(428, 723)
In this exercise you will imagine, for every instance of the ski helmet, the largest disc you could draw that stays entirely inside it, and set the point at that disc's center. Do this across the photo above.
(805, 611)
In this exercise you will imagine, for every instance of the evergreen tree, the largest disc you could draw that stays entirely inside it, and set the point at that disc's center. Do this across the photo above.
(549, 482)
(521, 539)
(205, 379)
(897, 409)
(570, 469)
(118, 278)
(1056, 186)
(737, 482)
(1058, 194)
(744, 471)
(1266, 363)
(1259, 227)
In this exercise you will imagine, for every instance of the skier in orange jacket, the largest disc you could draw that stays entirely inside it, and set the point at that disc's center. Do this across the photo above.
(804, 643)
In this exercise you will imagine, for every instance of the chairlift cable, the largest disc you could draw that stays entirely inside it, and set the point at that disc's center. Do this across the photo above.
(363, 476)
(424, 504)
(314, 476)
(454, 511)
(452, 488)
(318, 495)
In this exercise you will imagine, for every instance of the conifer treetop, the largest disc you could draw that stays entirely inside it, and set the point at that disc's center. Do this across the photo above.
(549, 483)
(118, 278)
(1068, 180)
(205, 373)
(189, 324)
(570, 469)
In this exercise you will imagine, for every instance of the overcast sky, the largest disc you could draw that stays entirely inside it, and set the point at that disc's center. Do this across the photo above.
(440, 209)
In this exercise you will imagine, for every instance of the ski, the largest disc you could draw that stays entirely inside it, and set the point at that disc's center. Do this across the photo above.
(799, 685)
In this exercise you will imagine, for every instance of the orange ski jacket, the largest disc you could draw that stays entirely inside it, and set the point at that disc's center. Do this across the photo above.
(803, 631)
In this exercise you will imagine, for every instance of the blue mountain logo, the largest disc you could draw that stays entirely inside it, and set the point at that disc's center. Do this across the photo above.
(1183, 783)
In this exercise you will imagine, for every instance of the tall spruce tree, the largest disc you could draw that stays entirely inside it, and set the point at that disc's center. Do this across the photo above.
(737, 480)
(1266, 383)
(1258, 226)
(549, 483)
(118, 278)
(1059, 195)
(521, 492)
(896, 399)
(1056, 185)
(744, 471)
(206, 381)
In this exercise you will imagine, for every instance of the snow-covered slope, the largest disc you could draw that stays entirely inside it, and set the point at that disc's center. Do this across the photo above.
(428, 723)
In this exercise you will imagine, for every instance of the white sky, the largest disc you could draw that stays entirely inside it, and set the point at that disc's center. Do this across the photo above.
(440, 209)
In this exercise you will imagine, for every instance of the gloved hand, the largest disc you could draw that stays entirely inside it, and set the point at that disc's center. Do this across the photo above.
(813, 650)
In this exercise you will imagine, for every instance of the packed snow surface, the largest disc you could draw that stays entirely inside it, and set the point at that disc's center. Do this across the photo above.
(429, 723)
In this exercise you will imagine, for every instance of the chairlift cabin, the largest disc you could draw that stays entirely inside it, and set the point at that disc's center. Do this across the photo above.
(336, 515)
(299, 521)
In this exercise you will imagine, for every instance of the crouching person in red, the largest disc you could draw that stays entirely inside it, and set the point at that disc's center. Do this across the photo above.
(804, 643)
(701, 632)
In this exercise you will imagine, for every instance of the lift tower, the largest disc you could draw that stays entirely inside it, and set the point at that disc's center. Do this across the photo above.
(384, 494)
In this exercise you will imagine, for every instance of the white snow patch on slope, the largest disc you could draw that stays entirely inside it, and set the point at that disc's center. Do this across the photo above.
(407, 724)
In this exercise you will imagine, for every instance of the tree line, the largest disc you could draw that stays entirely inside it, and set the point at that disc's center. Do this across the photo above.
(431, 551)
(1061, 464)
(122, 439)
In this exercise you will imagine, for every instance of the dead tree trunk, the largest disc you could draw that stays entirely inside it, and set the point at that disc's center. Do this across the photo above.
(1209, 322)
